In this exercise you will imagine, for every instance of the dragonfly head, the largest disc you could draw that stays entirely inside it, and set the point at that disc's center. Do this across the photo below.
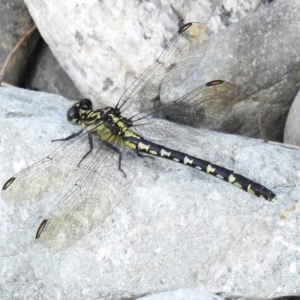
(78, 111)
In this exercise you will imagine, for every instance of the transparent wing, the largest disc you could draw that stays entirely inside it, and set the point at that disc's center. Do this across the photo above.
(177, 62)
(48, 175)
(205, 106)
(90, 200)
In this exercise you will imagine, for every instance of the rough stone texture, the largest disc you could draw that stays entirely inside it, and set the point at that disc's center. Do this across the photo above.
(183, 295)
(175, 228)
(104, 46)
(291, 130)
(47, 75)
(262, 59)
(15, 21)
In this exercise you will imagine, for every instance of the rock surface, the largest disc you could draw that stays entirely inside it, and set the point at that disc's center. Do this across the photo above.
(175, 228)
(291, 130)
(104, 47)
(46, 75)
(183, 295)
(262, 59)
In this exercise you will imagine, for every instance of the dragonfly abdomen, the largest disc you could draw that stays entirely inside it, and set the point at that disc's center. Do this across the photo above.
(227, 175)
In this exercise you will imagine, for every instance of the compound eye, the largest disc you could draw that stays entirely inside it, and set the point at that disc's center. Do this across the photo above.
(86, 104)
(73, 114)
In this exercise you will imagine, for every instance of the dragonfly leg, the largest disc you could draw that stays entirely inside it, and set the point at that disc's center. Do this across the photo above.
(119, 161)
(116, 149)
(74, 135)
(70, 137)
(90, 150)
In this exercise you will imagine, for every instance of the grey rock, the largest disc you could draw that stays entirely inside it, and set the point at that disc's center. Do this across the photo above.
(175, 228)
(291, 130)
(260, 55)
(183, 295)
(102, 54)
(46, 75)
(15, 21)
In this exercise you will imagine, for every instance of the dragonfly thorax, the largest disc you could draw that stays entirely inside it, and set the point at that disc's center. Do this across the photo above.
(108, 120)
(114, 121)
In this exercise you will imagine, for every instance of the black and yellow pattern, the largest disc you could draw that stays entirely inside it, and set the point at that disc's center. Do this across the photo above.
(204, 166)
(98, 161)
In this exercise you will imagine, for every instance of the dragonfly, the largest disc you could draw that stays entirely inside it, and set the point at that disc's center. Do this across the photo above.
(95, 166)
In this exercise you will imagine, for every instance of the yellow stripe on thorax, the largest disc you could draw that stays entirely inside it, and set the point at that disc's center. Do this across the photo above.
(105, 133)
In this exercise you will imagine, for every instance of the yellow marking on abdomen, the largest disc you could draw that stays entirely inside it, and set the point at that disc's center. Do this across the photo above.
(186, 160)
(237, 184)
(153, 152)
(164, 153)
(210, 169)
(249, 190)
(176, 159)
(220, 176)
(231, 179)
(142, 146)
(129, 145)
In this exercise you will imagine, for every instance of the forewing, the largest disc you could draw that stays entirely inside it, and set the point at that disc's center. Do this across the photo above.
(90, 200)
(205, 106)
(48, 175)
(177, 62)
